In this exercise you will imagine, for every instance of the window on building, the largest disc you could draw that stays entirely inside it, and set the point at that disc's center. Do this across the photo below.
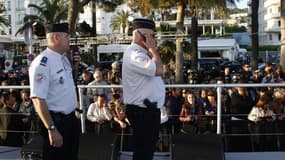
(270, 37)
(279, 9)
(9, 19)
(20, 4)
(20, 19)
(279, 37)
(279, 23)
(9, 5)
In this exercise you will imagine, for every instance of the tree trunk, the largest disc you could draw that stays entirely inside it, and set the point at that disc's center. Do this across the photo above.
(73, 11)
(94, 32)
(194, 42)
(179, 41)
(282, 50)
(254, 33)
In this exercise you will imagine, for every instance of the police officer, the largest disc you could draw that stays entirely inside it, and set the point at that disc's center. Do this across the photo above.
(54, 96)
(143, 88)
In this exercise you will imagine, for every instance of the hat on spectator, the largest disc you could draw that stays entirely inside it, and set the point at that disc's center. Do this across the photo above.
(143, 23)
(58, 27)
(115, 64)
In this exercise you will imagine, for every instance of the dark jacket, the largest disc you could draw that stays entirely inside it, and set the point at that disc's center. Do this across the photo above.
(11, 121)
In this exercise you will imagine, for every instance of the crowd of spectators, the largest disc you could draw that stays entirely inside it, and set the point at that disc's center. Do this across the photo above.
(190, 111)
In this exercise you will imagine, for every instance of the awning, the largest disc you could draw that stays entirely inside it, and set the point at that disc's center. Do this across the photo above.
(7, 39)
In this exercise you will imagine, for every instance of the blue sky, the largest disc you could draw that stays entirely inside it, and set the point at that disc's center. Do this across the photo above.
(242, 3)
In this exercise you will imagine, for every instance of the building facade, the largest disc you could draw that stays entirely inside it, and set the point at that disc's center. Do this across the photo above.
(15, 13)
(269, 22)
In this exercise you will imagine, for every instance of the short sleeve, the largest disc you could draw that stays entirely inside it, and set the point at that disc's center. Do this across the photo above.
(39, 80)
(142, 63)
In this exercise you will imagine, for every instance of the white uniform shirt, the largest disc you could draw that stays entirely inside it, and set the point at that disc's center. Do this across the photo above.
(51, 79)
(138, 78)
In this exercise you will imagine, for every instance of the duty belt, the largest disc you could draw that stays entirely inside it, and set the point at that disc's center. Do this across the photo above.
(58, 116)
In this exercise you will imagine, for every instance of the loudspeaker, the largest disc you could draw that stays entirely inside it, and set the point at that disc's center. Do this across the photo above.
(33, 149)
(95, 146)
(92, 147)
(197, 147)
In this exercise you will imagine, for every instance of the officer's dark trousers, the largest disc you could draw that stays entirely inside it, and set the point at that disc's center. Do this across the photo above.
(145, 123)
(69, 128)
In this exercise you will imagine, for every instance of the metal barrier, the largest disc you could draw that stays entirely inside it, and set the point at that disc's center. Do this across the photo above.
(217, 86)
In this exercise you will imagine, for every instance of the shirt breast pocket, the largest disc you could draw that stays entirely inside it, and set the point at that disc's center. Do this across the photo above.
(59, 79)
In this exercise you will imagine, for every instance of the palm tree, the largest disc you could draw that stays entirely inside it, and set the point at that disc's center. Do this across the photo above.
(197, 6)
(49, 11)
(3, 20)
(254, 33)
(181, 5)
(166, 51)
(120, 21)
(146, 6)
(76, 6)
(282, 50)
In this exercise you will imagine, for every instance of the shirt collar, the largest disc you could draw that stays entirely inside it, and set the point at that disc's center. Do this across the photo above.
(56, 54)
(140, 48)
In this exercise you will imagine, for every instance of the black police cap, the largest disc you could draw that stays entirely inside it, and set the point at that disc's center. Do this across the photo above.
(58, 27)
(143, 23)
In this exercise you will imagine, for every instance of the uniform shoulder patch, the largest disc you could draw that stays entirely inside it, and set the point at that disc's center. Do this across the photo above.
(44, 61)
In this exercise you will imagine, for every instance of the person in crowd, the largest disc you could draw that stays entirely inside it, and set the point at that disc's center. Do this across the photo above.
(17, 94)
(268, 75)
(13, 78)
(226, 103)
(24, 82)
(115, 76)
(99, 113)
(278, 103)
(119, 115)
(184, 92)
(227, 75)
(241, 104)
(54, 96)
(24, 75)
(143, 88)
(277, 77)
(278, 107)
(86, 77)
(116, 90)
(11, 124)
(173, 105)
(211, 112)
(261, 117)
(189, 113)
(193, 77)
(168, 75)
(257, 76)
(29, 119)
(5, 83)
(245, 73)
(202, 98)
(98, 80)
(279, 71)
(3, 75)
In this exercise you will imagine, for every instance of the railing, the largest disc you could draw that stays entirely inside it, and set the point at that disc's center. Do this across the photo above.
(217, 86)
